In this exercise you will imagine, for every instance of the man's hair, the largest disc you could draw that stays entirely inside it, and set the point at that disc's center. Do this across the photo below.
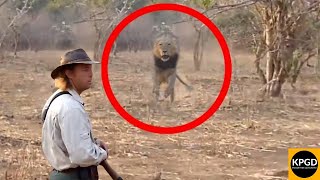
(62, 81)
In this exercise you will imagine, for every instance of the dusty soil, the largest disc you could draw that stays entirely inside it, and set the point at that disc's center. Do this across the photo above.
(244, 139)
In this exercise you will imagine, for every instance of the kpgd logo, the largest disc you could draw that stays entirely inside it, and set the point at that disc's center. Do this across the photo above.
(303, 163)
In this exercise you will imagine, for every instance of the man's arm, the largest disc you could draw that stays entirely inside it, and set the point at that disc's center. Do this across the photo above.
(75, 132)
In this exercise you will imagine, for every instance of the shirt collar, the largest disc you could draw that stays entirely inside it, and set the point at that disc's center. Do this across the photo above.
(76, 96)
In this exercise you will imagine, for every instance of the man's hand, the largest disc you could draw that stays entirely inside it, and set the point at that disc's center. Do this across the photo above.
(104, 146)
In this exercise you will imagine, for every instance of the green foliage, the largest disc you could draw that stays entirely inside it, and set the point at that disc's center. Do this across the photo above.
(20, 3)
(237, 25)
(159, 16)
(98, 3)
(56, 5)
(39, 5)
(36, 5)
(204, 4)
(239, 18)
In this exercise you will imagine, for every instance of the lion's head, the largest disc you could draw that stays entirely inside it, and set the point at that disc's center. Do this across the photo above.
(164, 48)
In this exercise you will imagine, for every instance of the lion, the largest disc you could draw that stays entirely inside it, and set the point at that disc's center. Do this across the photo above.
(166, 56)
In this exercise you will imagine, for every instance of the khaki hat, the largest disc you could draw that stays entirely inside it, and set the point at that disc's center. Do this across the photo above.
(77, 56)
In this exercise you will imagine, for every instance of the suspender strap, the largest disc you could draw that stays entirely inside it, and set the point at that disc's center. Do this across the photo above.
(46, 110)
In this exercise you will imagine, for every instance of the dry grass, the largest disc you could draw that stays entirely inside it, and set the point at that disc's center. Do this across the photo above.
(245, 139)
(26, 163)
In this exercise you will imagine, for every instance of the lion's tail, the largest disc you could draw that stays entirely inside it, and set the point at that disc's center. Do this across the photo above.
(188, 86)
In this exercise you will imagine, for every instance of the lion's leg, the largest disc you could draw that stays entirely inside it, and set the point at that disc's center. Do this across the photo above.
(156, 84)
(172, 96)
(170, 89)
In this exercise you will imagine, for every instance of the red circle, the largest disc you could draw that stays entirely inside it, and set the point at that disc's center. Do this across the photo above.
(157, 129)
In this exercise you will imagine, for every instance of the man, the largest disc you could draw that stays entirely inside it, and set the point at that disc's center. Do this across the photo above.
(67, 141)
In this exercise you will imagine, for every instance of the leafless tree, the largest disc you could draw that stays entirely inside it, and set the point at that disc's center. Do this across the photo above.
(104, 19)
(14, 23)
(286, 42)
(211, 9)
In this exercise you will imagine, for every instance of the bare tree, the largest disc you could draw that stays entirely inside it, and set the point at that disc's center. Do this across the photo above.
(14, 23)
(317, 39)
(104, 18)
(286, 41)
(210, 8)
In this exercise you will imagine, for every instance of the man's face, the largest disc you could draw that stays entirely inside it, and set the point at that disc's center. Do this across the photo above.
(81, 77)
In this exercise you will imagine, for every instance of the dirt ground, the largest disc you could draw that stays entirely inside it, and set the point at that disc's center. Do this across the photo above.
(245, 139)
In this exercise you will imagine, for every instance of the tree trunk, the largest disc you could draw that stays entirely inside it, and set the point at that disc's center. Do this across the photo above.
(259, 71)
(270, 58)
(98, 37)
(96, 45)
(198, 50)
(318, 60)
(317, 66)
(16, 40)
(114, 49)
(277, 52)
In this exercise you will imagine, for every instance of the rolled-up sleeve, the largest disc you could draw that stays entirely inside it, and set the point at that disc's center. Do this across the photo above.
(75, 132)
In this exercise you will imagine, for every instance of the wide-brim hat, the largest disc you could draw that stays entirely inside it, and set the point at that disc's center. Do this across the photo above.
(77, 56)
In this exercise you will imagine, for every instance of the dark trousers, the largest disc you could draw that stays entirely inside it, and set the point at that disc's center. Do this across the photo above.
(80, 173)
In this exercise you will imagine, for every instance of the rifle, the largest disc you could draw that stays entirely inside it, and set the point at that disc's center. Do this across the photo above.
(114, 175)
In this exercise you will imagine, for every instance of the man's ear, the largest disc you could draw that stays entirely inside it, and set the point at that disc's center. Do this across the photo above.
(69, 73)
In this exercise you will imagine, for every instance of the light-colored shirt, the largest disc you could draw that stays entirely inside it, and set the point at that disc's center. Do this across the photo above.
(67, 141)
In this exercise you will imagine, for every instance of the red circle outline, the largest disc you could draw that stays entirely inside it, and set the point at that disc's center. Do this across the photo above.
(157, 129)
